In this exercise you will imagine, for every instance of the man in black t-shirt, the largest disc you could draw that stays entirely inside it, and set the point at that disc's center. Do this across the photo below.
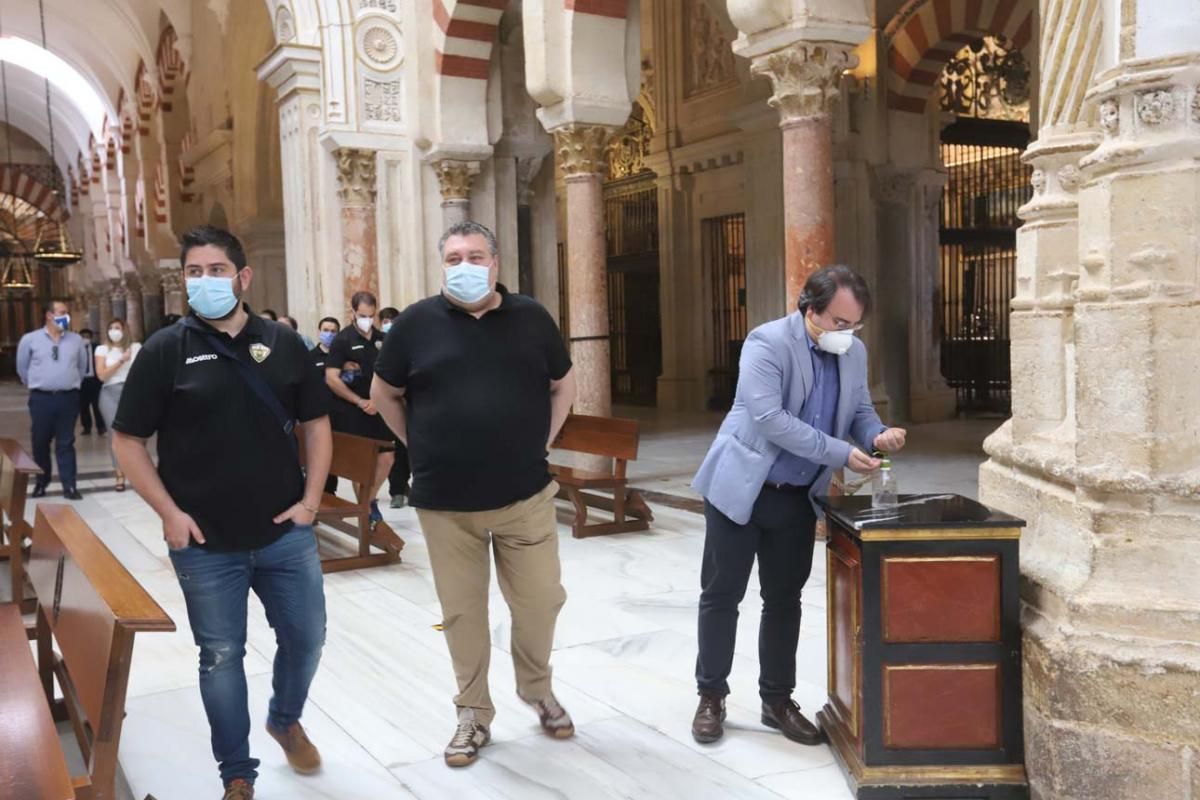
(327, 330)
(477, 382)
(223, 389)
(348, 373)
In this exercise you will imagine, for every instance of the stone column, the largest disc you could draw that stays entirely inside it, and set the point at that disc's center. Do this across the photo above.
(133, 307)
(117, 296)
(1100, 455)
(806, 79)
(105, 291)
(93, 308)
(527, 170)
(174, 293)
(455, 178)
(356, 188)
(580, 151)
(152, 303)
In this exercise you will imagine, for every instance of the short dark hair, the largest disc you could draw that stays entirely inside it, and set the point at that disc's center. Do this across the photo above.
(330, 319)
(86, 331)
(269, 314)
(203, 235)
(391, 312)
(291, 323)
(48, 306)
(468, 228)
(358, 298)
(823, 284)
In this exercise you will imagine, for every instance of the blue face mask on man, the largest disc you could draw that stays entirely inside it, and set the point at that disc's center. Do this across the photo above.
(212, 297)
(387, 326)
(63, 322)
(468, 283)
(327, 337)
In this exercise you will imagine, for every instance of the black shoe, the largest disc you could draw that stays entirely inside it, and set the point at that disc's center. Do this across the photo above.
(708, 724)
(72, 494)
(38, 491)
(786, 717)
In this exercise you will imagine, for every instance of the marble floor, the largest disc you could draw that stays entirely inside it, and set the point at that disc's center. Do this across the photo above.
(380, 707)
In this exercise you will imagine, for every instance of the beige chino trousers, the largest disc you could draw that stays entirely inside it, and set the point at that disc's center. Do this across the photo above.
(524, 540)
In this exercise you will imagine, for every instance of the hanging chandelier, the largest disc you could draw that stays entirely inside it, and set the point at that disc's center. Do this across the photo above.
(54, 249)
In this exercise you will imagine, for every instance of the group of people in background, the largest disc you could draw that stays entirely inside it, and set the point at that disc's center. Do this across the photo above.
(71, 378)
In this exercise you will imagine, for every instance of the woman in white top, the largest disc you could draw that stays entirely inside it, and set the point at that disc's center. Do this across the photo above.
(113, 359)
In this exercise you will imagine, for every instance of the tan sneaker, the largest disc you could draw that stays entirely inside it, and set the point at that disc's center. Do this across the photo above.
(469, 737)
(554, 718)
(238, 790)
(302, 754)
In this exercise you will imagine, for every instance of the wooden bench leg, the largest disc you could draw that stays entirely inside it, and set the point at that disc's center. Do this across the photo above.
(581, 512)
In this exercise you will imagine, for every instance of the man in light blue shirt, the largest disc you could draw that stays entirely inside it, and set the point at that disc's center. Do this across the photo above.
(51, 362)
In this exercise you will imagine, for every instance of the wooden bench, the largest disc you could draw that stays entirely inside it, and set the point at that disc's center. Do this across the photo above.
(612, 438)
(355, 459)
(89, 609)
(16, 468)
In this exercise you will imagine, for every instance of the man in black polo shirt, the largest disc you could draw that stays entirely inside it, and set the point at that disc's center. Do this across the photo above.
(477, 382)
(348, 372)
(223, 390)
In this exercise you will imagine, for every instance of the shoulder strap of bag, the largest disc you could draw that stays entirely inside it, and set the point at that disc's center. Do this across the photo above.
(257, 383)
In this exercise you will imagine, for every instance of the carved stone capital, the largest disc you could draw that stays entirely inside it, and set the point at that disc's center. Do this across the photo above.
(581, 149)
(116, 289)
(171, 280)
(455, 178)
(806, 78)
(356, 176)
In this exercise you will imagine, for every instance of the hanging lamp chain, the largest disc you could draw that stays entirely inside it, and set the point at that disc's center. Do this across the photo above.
(49, 115)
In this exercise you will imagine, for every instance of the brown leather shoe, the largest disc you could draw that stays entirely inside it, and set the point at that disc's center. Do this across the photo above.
(786, 717)
(238, 790)
(554, 718)
(708, 724)
(302, 754)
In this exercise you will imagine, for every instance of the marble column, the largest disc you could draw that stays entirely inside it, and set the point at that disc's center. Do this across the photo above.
(581, 156)
(105, 296)
(356, 189)
(806, 79)
(152, 303)
(118, 296)
(454, 178)
(133, 307)
(93, 308)
(527, 170)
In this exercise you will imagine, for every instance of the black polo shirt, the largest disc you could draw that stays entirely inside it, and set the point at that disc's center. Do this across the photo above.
(317, 357)
(222, 455)
(351, 345)
(478, 399)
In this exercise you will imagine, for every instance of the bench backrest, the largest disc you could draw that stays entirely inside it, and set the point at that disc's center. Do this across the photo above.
(354, 457)
(600, 436)
(90, 607)
(16, 467)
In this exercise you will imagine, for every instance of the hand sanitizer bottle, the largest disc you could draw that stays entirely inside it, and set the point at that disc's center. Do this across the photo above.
(884, 493)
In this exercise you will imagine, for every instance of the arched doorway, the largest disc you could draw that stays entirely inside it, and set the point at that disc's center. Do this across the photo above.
(986, 87)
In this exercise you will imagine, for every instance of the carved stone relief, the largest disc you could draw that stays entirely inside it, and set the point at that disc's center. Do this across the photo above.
(1156, 107)
(1110, 117)
(454, 178)
(285, 26)
(377, 5)
(379, 43)
(710, 55)
(581, 149)
(356, 176)
(383, 100)
(806, 78)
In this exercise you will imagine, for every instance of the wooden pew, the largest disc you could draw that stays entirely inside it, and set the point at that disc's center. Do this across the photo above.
(16, 468)
(613, 438)
(89, 609)
(354, 458)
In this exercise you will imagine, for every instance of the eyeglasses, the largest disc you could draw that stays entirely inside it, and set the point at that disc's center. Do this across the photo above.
(54, 352)
(842, 328)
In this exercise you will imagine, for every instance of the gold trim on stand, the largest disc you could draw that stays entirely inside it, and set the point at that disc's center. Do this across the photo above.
(936, 534)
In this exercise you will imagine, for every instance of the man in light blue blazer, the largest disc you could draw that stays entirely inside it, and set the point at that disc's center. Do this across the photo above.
(801, 394)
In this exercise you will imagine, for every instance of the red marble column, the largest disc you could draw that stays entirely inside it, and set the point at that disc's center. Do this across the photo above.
(806, 80)
(581, 152)
(360, 256)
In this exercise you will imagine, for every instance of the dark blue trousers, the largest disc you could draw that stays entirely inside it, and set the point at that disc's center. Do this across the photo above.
(54, 415)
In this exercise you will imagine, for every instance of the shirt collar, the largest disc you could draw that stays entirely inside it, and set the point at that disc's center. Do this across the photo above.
(501, 289)
(254, 328)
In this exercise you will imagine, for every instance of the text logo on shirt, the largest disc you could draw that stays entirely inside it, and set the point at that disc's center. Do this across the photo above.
(205, 357)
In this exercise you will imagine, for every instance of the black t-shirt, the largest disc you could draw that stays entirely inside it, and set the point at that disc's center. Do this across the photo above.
(351, 345)
(317, 357)
(222, 454)
(478, 399)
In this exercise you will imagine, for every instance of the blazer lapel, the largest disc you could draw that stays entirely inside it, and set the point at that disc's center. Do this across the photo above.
(802, 358)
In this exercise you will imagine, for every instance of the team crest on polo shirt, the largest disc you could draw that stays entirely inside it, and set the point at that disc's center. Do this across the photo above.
(379, 344)
(259, 352)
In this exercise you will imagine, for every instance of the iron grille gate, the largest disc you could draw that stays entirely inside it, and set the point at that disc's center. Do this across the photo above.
(986, 185)
(724, 253)
(631, 232)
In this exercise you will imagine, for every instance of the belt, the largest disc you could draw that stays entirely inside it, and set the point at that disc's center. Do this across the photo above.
(53, 391)
(788, 488)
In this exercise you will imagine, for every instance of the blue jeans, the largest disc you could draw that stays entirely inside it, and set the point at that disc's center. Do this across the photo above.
(54, 415)
(286, 576)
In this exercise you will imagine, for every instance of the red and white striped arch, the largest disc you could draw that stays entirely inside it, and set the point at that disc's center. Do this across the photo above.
(926, 34)
(464, 33)
(18, 184)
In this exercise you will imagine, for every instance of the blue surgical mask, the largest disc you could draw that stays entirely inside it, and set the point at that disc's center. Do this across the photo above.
(387, 326)
(327, 337)
(468, 283)
(212, 297)
(63, 322)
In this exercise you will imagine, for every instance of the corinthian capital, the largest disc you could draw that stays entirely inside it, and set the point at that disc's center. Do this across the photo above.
(356, 176)
(455, 178)
(805, 77)
(581, 149)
